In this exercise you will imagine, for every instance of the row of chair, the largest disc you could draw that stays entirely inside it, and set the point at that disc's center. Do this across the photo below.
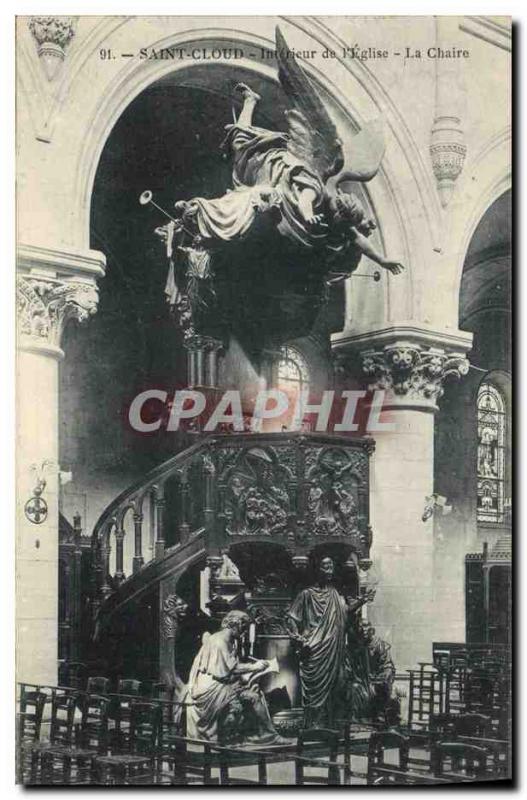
(434, 691)
(126, 740)
(448, 752)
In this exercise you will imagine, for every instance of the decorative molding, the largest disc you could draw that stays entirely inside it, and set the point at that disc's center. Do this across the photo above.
(412, 371)
(489, 30)
(53, 262)
(52, 35)
(44, 307)
(415, 333)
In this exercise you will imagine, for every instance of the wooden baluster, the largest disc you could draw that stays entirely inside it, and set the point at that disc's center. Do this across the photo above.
(119, 551)
(151, 523)
(209, 512)
(183, 488)
(138, 560)
(106, 549)
(159, 502)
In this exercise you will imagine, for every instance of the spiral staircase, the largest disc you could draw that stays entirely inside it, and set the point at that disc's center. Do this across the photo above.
(271, 502)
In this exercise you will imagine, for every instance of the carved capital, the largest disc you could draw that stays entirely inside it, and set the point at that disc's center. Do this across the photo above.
(44, 307)
(412, 371)
(447, 152)
(52, 35)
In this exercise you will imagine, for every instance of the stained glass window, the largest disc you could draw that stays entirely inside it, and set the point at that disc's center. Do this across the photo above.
(492, 423)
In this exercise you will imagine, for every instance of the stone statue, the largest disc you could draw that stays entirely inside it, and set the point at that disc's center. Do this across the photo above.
(223, 688)
(318, 621)
(296, 178)
(372, 674)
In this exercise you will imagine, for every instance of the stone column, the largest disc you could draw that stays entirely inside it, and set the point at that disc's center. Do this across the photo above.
(51, 288)
(410, 366)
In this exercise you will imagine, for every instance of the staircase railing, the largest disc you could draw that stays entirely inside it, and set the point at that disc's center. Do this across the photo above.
(148, 495)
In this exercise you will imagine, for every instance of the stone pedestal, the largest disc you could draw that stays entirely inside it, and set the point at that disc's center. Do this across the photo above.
(410, 366)
(50, 290)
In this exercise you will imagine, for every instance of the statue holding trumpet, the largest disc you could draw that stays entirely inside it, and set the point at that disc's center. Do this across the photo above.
(295, 178)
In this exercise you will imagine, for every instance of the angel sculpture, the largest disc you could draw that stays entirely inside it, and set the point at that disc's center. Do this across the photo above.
(298, 175)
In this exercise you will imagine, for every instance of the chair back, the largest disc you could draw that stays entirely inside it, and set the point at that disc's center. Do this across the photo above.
(323, 744)
(63, 705)
(145, 726)
(93, 733)
(98, 685)
(32, 705)
(128, 686)
(459, 758)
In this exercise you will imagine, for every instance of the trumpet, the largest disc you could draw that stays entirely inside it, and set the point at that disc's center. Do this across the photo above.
(146, 197)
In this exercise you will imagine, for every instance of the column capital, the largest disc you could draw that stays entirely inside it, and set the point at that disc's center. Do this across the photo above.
(52, 287)
(44, 307)
(409, 363)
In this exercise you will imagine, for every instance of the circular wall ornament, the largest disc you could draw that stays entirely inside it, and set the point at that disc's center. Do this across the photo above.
(36, 510)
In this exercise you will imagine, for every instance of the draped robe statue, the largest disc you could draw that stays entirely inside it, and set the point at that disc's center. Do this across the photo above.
(296, 177)
(218, 680)
(318, 620)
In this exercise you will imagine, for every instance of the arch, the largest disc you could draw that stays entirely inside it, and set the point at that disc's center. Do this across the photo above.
(486, 177)
(402, 191)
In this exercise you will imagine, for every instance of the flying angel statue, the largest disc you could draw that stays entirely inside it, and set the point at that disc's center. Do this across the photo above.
(298, 175)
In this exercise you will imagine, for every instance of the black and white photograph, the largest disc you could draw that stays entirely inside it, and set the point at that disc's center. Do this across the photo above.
(263, 400)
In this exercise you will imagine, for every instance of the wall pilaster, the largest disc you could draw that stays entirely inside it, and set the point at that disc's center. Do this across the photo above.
(50, 291)
(411, 366)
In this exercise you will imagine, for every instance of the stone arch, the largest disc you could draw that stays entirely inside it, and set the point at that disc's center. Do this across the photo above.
(485, 179)
(402, 191)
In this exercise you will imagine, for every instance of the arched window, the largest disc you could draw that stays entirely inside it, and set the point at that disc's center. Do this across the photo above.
(492, 503)
(289, 372)
(292, 374)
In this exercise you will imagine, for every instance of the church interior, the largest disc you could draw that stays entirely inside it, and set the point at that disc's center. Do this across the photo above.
(143, 558)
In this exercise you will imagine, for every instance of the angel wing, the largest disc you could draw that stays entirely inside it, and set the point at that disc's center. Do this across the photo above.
(313, 137)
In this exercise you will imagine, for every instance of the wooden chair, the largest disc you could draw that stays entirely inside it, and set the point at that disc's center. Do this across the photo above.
(379, 743)
(29, 723)
(191, 763)
(135, 766)
(426, 696)
(120, 711)
(324, 744)
(73, 763)
(61, 732)
(459, 761)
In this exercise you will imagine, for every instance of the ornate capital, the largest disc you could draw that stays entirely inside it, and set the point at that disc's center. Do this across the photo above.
(52, 35)
(44, 307)
(447, 152)
(413, 371)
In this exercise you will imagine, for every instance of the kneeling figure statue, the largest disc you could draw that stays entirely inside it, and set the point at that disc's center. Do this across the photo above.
(222, 689)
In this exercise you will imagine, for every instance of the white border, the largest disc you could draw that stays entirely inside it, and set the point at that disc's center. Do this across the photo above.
(515, 8)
